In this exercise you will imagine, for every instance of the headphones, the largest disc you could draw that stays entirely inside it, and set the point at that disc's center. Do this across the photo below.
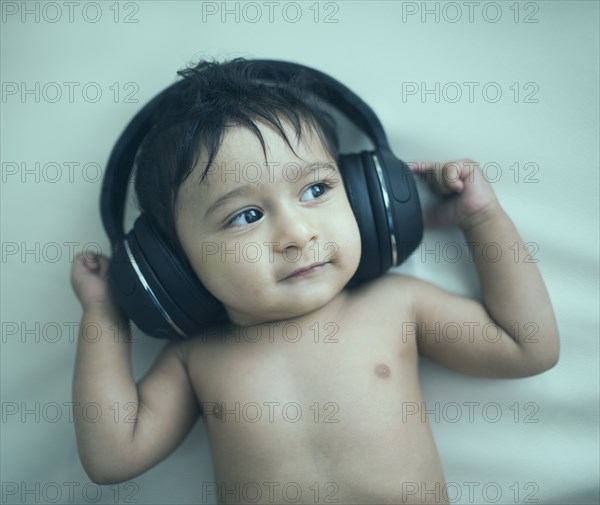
(163, 296)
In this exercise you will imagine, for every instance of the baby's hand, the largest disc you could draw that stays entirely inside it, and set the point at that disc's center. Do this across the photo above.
(466, 196)
(89, 279)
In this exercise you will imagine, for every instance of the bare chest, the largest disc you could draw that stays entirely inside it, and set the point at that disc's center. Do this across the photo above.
(317, 401)
(320, 411)
(307, 361)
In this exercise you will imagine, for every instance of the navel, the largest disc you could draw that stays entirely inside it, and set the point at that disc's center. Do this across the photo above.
(382, 371)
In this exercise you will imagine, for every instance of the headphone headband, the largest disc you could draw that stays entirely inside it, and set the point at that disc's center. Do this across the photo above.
(122, 157)
(162, 294)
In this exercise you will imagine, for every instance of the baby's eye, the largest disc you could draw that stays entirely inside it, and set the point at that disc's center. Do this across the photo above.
(315, 191)
(247, 217)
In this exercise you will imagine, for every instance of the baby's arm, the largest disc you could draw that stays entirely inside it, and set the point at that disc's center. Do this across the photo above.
(513, 333)
(123, 429)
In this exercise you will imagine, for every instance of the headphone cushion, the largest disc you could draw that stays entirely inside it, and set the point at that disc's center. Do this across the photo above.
(176, 277)
(169, 294)
(380, 215)
(355, 182)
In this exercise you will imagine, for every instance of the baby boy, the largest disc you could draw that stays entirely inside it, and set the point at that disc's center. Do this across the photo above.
(303, 387)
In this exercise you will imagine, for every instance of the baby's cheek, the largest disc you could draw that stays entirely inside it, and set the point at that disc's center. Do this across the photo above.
(214, 274)
(241, 277)
(351, 235)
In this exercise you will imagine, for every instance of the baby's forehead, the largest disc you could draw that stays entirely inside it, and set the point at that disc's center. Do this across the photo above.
(241, 154)
(241, 143)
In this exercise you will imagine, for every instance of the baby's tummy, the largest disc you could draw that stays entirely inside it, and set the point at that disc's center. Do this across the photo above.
(334, 438)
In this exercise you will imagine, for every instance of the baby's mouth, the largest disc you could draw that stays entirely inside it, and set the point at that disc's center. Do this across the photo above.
(307, 270)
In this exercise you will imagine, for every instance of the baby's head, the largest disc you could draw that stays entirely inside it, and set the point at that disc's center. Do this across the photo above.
(241, 178)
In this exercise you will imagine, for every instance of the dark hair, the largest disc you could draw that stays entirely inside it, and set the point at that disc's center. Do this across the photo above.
(216, 95)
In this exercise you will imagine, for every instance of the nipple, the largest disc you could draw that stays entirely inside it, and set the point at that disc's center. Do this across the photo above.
(382, 371)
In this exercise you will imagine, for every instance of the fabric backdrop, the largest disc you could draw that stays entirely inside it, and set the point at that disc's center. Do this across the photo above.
(511, 85)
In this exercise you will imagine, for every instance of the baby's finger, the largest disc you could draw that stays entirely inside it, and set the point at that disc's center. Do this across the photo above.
(94, 263)
(426, 170)
(422, 167)
(91, 262)
(441, 178)
(451, 178)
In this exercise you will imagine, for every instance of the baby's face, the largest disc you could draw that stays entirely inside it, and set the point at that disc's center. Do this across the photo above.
(252, 224)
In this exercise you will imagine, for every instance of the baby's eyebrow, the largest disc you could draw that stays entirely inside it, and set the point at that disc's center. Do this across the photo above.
(230, 195)
(244, 190)
(316, 167)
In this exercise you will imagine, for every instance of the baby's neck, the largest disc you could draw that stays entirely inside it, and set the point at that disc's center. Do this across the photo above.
(243, 321)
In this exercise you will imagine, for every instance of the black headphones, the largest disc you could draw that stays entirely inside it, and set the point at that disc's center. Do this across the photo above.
(164, 297)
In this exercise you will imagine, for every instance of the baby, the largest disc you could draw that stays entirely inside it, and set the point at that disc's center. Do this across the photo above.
(303, 387)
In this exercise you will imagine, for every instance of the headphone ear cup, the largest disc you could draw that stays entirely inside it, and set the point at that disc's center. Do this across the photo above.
(403, 207)
(161, 294)
(368, 216)
(131, 293)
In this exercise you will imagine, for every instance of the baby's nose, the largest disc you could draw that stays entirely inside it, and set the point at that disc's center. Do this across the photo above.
(296, 231)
